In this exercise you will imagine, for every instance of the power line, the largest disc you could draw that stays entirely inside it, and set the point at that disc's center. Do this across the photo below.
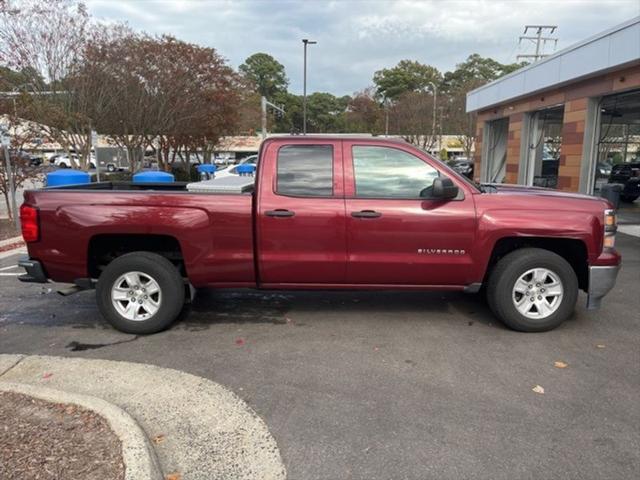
(539, 40)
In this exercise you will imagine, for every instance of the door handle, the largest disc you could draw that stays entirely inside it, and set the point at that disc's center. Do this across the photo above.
(366, 214)
(280, 212)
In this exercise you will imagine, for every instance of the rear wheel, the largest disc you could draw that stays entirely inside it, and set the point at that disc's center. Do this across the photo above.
(532, 290)
(140, 292)
(629, 198)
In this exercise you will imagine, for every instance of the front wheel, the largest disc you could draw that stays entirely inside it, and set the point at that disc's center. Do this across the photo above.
(532, 290)
(140, 292)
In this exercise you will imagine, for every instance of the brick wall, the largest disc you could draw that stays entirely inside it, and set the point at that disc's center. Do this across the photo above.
(513, 147)
(575, 114)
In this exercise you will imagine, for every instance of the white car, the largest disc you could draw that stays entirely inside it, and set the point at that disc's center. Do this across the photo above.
(232, 169)
(63, 161)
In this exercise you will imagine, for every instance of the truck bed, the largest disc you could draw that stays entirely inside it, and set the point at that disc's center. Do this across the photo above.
(214, 231)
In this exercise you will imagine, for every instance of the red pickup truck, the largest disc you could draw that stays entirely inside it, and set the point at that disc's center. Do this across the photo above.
(324, 213)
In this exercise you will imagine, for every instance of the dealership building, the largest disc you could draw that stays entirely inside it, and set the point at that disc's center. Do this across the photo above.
(563, 121)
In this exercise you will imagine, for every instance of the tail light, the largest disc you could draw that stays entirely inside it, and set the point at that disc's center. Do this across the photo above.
(30, 224)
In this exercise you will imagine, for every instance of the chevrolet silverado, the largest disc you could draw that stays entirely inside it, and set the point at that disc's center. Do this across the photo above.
(324, 213)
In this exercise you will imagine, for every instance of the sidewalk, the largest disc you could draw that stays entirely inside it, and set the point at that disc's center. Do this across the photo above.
(199, 429)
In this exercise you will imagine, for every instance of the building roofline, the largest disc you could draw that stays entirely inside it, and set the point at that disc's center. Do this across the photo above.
(541, 64)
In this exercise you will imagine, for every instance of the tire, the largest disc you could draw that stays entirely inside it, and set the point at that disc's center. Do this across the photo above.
(111, 168)
(517, 272)
(158, 311)
(62, 165)
(629, 198)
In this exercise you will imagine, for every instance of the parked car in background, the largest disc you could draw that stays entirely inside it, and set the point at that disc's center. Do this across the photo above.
(603, 170)
(233, 169)
(222, 161)
(27, 158)
(66, 161)
(23, 158)
(627, 174)
(463, 166)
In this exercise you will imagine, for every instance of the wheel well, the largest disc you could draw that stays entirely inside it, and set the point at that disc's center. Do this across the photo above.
(105, 248)
(572, 250)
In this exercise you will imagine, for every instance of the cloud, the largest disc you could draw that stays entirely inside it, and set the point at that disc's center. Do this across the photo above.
(356, 38)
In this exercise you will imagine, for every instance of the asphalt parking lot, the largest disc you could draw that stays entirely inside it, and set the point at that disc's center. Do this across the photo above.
(374, 385)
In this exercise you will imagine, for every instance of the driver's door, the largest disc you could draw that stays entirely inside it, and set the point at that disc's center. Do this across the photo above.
(395, 236)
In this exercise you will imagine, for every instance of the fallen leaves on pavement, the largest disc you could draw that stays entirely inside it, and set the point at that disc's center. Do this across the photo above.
(158, 439)
(560, 365)
(173, 476)
(538, 389)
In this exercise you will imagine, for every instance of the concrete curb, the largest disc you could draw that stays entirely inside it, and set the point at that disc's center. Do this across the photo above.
(137, 453)
(13, 251)
(200, 429)
(9, 241)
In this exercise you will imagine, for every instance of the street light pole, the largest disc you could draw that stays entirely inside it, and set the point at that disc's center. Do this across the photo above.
(386, 117)
(435, 101)
(5, 140)
(306, 42)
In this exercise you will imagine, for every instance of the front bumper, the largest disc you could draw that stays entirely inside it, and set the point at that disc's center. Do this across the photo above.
(601, 281)
(35, 272)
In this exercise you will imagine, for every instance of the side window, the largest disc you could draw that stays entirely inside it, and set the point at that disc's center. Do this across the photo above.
(305, 171)
(383, 172)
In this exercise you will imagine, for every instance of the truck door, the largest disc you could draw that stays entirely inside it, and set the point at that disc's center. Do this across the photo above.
(301, 230)
(395, 236)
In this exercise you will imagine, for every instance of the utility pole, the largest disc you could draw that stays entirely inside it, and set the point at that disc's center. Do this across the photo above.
(539, 40)
(306, 42)
(264, 103)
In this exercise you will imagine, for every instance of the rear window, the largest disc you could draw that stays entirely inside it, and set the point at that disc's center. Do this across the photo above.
(305, 171)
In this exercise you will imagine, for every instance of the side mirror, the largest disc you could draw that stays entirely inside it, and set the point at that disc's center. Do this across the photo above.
(444, 188)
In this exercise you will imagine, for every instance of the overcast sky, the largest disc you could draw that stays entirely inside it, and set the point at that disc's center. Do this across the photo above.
(356, 38)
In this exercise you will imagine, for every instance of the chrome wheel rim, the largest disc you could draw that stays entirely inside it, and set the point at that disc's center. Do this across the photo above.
(538, 293)
(136, 296)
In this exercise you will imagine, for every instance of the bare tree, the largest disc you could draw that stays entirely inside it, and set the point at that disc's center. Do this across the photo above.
(21, 167)
(411, 117)
(364, 113)
(49, 38)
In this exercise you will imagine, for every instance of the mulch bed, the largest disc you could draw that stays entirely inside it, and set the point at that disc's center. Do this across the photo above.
(49, 441)
(7, 229)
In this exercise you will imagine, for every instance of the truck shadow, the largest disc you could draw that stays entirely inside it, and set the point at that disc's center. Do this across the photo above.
(303, 308)
(40, 305)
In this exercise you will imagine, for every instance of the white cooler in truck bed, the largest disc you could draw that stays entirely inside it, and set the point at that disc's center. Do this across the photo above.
(231, 184)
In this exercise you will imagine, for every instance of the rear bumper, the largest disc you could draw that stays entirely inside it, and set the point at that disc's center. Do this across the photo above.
(601, 280)
(35, 272)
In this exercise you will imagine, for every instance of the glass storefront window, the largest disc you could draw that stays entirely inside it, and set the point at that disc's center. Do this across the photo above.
(544, 141)
(618, 139)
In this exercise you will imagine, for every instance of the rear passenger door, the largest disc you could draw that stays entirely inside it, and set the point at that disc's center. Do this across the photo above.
(301, 231)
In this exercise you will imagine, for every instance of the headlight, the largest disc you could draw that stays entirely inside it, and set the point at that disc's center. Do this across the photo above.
(610, 228)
